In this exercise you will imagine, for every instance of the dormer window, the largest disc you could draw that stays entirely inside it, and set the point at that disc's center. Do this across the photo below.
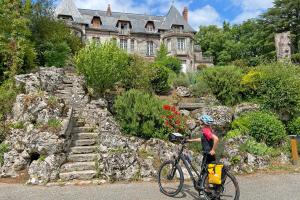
(65, 17)
(177, 28)
(96, 22)
(150, 26)
(124, 27)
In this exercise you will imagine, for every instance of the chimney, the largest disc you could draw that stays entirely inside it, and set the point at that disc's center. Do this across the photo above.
(108, 12)
(185, 14)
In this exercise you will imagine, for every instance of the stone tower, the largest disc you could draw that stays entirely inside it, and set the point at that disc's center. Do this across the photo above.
(283, 45)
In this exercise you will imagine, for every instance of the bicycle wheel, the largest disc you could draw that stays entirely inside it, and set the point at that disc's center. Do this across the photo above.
(170, 178)
(228, 190)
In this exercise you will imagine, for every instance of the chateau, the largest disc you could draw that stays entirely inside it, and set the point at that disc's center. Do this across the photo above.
(137, 33)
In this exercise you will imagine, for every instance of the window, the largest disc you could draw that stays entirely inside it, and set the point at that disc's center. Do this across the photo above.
(150, 48)
(132, 45)
(124, 28)
(150, 28)
(181, 44)
(96, 22)
(123, 44)
(169, 45)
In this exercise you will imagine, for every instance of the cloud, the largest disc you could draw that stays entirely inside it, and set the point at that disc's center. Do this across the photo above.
(206, 15)
(251, 9)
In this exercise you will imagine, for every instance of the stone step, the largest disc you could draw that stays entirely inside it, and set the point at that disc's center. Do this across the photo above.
(83, 129)
(77, 166)
(80, 175)
(79, 123)
(67, 80)
(87, 135)
(87, 157)
(84, 142)
(83, 149)
(63, 91)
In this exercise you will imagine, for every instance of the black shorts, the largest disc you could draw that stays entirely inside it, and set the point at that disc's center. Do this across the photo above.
(210, 159)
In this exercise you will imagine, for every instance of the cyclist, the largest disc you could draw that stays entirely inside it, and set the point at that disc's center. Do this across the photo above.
(207, 137)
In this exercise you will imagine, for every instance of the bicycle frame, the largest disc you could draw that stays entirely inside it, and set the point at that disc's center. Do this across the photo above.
(190, 167)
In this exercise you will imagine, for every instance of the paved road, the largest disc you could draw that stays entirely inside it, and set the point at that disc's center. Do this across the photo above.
(254, 187)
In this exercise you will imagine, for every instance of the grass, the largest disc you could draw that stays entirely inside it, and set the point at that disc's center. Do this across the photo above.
(17, 125)
(3, 149)
(118, 150)
(52, 102)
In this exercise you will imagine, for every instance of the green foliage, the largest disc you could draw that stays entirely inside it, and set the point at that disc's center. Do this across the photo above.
(224, 82)
(102, 65)
(170, 62)
(294, 127)
(139, 114)
(160, 79)
(200, 88)
(16, 50)
(247, 41)
(53, 40)
(233, 134)
(8, 92)
(296, 58)
(264, 127)
(54, 123)
(18, 125)
(260, 149)
(276, 87)
(3, 149)
(56, 54)
(284, 16)
(181, 80)
(138, 74)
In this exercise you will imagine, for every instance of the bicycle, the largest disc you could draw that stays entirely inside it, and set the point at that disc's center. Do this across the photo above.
(173, 172)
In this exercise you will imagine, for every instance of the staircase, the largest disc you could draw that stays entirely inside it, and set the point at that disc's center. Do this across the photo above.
(82, 153)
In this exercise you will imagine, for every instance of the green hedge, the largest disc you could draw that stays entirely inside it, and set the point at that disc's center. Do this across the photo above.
(263, 126)
(140, 114)
(294, 127)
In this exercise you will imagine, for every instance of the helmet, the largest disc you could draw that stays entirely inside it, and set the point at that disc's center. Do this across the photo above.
(206, 119)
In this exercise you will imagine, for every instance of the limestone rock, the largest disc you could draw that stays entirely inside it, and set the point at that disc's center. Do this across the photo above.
(245, 107)
(183, 91)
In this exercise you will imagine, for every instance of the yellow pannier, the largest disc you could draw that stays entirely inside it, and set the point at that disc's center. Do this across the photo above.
(215, 174)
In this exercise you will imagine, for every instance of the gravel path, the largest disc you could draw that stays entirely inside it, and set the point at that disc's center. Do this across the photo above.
(253, 187)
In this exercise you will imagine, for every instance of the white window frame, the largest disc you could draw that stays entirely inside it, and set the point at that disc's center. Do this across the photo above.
(123, 44)
(150, 48)
(181, 44)
(132, 45)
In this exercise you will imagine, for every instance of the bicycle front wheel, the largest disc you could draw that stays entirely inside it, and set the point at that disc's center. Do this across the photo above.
(170, 178)
(228, 190)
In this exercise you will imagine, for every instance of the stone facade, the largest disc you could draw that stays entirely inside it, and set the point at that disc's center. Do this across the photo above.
(283, 45)
(137, 33)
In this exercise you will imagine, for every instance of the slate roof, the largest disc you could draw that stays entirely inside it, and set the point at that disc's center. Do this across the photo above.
(137, 21)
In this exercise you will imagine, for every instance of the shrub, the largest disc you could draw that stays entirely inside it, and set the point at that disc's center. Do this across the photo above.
(200, 88)
(138, 74)
(296, 58)
(170, 62)
(224, 82)
(8, 93)
(160, 79)
(260, 149)
(263, 126)
(294, 127)
(276, 87)
(233, 134)
(102, 65)
(139, 114)
(181, 80)
(3, 149)
(56, 54)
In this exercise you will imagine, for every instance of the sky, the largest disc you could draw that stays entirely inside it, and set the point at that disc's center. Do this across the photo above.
(201, 12)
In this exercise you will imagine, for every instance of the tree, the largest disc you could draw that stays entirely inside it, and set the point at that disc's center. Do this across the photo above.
(285, 16)
(102, 65)
(53, 40)
(16, 51)
(170, 62)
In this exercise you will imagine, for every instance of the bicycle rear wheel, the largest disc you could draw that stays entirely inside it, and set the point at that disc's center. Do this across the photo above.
(228, 190)
(170, 178)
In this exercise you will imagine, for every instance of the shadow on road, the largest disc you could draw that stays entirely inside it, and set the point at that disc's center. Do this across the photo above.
(188, 190)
